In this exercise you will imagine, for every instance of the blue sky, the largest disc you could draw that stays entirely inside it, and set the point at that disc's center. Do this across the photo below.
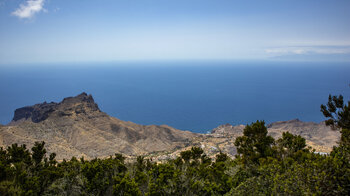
(54, 31)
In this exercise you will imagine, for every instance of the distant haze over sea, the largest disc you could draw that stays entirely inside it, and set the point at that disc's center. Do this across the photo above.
(195, 96)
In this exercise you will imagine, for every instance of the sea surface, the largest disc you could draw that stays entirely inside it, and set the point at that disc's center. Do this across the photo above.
(195, 96)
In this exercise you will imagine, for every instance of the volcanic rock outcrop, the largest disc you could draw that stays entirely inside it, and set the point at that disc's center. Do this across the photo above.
(81, 104)
(77, 127)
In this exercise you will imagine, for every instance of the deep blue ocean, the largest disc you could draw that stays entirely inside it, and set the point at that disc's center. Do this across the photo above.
(195, 96)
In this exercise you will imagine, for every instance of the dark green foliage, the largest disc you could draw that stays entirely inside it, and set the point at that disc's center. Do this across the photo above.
(345, 137)
(38, 152)
(19, 154)
(221, 157)
(119, 157)
(196, 152)
(186, 155)
(337, 113)
(288, 169)
(289, 145)
(126, 186)
(291, 142)
(255, 143)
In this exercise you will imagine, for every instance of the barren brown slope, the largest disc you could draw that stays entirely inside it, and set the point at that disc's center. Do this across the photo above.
(77, 127)
(319, 136)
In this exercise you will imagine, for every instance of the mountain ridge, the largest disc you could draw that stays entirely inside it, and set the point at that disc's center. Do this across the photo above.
(76, 127)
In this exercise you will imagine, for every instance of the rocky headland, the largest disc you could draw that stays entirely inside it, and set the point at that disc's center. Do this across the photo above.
(77, 127)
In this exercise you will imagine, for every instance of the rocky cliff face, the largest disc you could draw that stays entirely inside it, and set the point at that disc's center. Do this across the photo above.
(81, 104)
(77, 127)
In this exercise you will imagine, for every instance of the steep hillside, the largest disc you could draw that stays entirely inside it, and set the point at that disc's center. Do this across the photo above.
(77, 127)
(319, 136)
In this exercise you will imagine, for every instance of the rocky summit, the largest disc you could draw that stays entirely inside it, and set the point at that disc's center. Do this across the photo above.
(77, 127)
(71, 106)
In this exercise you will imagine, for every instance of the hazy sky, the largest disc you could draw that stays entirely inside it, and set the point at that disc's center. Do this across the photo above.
(34, 31)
